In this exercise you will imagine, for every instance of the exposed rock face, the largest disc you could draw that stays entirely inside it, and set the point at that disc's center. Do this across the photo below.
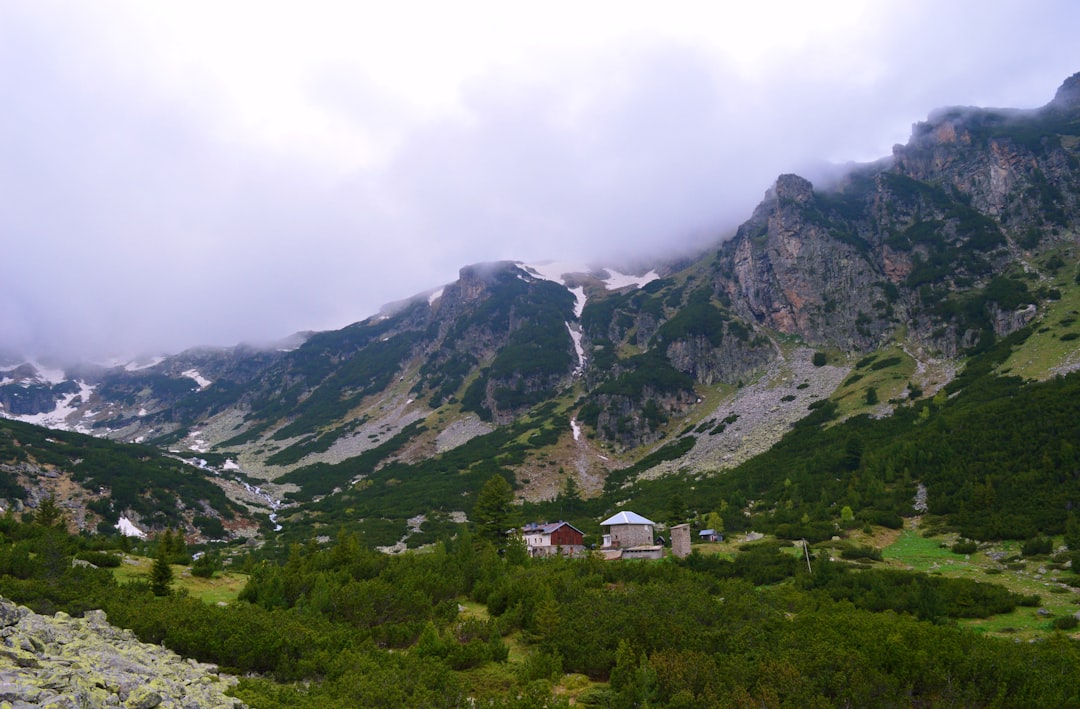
(61, 661)
(1068, 94)
(916, 241)
(786, 269)
(729, 362)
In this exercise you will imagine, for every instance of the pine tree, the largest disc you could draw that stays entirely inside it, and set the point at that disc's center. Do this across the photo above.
(49, 513)
(493, 512)
(161, 574)
(547, 616)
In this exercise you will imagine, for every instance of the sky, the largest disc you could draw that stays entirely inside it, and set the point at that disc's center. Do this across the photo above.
(180, 174)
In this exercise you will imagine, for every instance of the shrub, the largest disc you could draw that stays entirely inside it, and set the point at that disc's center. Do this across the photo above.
(1066, 622)
(819, 359)
(99, 558)
(1036, 546)
(861, 552)
(965, 546)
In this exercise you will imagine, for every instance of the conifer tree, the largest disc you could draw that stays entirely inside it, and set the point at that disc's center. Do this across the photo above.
(493, 513)
(49, 513)
(161, 574)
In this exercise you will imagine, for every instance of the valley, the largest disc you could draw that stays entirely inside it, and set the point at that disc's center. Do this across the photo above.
(870, 390)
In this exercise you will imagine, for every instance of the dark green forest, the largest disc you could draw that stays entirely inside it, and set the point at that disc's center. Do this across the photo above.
(341, 625)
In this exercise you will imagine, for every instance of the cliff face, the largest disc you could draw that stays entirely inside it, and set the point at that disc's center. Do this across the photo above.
(913, 242)
(797, 267)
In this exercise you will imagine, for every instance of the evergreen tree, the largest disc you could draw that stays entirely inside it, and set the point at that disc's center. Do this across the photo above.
(204, 566)
(547, 616)
(1072, 532)
(493, 514)
(161, 574)
(676, 509)
(570, 498)
(49, 514)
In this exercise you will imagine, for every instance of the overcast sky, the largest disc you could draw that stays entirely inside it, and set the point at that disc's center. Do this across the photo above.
(208, 173)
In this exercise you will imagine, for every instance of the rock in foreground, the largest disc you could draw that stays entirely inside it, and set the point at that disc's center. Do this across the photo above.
(60, 661)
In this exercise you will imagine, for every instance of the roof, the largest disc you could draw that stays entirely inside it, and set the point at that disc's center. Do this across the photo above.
(626, 517)
(548, 527)
(706, 532)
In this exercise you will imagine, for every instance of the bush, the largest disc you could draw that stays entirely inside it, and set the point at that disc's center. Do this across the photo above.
(99, 558)
(965, 546)
(819, 359)
(1037, 546)
(861, 552)
(204, 566)
(1066, 622)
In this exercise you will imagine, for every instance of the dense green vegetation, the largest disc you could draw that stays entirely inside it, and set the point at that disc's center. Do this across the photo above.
(389, 494)
(998, 460)
(340, 625)
(524, 322)
(138, 478)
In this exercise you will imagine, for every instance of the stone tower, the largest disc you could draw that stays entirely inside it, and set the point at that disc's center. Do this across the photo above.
(680, 540)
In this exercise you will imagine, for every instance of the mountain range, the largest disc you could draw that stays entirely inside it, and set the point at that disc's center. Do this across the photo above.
(866, 295)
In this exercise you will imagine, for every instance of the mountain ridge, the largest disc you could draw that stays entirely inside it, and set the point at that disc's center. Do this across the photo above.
(934, 254)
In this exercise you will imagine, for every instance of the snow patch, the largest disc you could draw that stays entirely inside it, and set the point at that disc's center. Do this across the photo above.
(554, 270)
(575, 335)
(576, 428)
(616, 280)
(57, 418)
(47, 375)
(197, 442)
(579, 300)
(202, 381)
(136, 365)
(128, 529)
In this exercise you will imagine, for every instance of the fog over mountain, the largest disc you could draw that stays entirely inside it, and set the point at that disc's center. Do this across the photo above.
(191, 175)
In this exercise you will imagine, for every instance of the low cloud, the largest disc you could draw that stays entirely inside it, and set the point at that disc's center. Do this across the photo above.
(140, 216)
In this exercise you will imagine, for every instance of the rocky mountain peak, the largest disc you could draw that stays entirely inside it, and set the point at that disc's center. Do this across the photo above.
(793, 188)
(476, 279)
(1068, 94)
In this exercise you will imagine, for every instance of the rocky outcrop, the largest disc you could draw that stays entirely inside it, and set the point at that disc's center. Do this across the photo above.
(914, 242)
(732, 361)
(796, 268)
(59, 661)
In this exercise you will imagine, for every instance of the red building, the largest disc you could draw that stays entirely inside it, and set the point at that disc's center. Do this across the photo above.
(548, 538)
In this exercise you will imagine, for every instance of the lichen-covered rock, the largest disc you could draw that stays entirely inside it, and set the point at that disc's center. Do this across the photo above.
(61, 662)
(143, 698)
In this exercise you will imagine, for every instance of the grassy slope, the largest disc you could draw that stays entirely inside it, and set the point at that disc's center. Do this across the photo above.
(1027, 576)
(224, 587)
(1044, 352)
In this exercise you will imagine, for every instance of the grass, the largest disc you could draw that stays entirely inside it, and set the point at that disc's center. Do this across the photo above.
(889, 382)
(1029, 576)
(1045, 349)
(224, 587)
